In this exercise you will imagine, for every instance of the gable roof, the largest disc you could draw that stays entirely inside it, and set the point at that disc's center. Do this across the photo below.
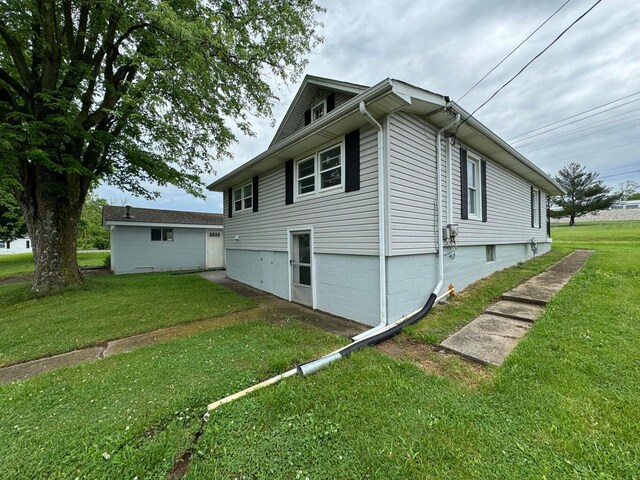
(305, 96)
(381, 99)
(112, 215)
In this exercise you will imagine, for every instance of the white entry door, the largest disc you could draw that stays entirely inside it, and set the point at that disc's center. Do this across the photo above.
(301, 278)
(215, 249)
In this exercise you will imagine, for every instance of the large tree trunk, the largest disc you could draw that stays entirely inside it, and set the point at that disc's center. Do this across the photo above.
(52, 205)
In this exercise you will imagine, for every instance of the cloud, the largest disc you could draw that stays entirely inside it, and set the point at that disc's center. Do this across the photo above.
(447, 46)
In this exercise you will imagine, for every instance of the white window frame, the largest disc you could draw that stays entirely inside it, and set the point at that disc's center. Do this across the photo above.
(477, 215)
(243, 199)
(162, 234)
(318, 190)
(535, 208)
(490, 251)
(322, 103)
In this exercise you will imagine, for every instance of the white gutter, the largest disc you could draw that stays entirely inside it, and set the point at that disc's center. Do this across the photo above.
(381, 217)
(439, 202)
(450, 178)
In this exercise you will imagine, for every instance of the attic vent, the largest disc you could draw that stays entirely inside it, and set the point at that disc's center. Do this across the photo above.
(127, 211)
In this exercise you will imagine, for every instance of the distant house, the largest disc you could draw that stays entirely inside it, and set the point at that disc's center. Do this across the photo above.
(341, 212)
(150, 240)
(19, 245)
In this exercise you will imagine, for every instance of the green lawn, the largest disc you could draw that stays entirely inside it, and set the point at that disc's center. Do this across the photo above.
(139, 408)
(604, 233)
(563, 405)
(105, 307)
(22, 263)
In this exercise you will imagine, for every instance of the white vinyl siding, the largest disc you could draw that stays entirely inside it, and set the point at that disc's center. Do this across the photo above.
(343, 222)
(412, 194)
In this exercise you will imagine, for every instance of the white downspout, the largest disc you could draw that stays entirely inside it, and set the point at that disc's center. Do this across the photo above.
(439, 198)
(381, 218)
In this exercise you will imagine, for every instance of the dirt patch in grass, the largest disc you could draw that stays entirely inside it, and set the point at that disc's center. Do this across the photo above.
(437, 361)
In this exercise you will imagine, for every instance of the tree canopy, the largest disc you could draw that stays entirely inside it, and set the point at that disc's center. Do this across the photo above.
(12, 224)
(133, 93)
(585, 193)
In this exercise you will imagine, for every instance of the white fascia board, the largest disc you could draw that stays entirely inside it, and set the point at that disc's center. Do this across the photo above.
(409, 92)
(384, 86)
(163, 225)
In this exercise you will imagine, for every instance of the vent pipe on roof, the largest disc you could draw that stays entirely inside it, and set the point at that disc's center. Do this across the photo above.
(127, 211)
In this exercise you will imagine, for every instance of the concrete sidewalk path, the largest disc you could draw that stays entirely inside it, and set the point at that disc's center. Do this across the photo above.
(491, 337)
(269, 308)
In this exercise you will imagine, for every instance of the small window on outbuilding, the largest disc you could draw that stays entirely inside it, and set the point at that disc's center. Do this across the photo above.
(2, 245)
(491, 253)
(162, 234)
(214, 234)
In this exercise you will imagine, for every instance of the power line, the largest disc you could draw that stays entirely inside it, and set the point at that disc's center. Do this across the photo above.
(514, 50)
(589, 153)
(529, 63)
(572, 139)
(576, 121)
(578, 114)
(613, 120)
(618, 174)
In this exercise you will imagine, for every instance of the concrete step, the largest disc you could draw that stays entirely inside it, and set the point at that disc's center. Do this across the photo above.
(527, 312)
(488, 339)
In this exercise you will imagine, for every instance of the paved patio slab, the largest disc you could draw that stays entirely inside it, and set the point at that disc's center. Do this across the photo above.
(488, 339)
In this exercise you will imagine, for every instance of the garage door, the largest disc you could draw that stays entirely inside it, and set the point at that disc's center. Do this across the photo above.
(215, 249)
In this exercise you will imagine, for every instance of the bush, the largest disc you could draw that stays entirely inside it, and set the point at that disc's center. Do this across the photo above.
(107, 261)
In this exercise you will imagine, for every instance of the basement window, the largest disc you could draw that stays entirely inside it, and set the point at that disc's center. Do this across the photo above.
(491, 253)
(162, 234)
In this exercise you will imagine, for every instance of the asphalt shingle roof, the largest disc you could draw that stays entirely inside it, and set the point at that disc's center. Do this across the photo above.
(151, 215)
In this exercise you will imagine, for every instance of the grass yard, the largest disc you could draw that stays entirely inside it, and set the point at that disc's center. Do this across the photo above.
(22, 263)
(139, 409)
(104, 308)
(604, 233)
(563, 405)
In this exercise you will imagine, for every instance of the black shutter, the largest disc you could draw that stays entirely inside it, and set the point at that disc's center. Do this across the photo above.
(352, 161)
(483, 186)
(307, 117)
(539, 209)
(288, 180)
(255, 193)
(464, 193)
(331, 102)
(230, 201)
(532, 219)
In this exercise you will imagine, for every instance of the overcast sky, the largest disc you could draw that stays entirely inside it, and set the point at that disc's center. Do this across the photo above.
(446, 46)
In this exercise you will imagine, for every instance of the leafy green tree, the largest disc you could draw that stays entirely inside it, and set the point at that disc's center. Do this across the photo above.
(133, 93)
(90, 232)
(635, 196)
(585, 193)
(12, 224)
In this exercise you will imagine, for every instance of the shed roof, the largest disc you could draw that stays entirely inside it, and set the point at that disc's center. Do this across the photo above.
(117, 215)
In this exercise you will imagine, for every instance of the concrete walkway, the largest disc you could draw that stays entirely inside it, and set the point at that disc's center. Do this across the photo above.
(490, 338)
(269, 308)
